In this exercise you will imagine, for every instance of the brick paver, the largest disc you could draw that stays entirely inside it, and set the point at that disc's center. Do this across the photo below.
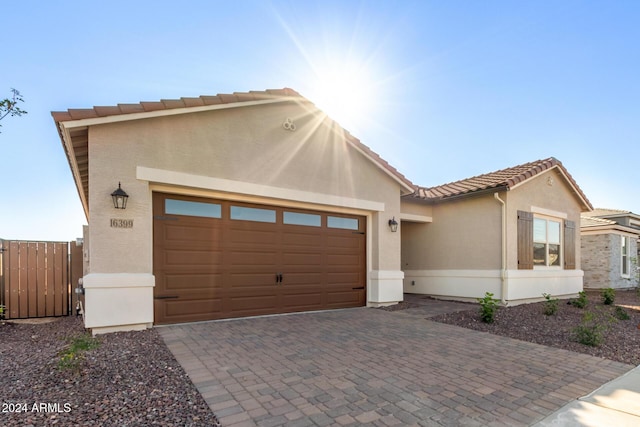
(367, 366)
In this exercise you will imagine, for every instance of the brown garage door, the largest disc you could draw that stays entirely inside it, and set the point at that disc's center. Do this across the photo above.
(217, 259)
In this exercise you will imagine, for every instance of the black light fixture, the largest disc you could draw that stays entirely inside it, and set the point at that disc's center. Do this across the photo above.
(393, 224)
(119, 198)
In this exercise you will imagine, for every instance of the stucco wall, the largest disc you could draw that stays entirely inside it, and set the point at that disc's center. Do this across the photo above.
(465, 234)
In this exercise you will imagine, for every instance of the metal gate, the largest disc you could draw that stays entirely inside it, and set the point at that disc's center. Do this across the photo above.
(34, 279)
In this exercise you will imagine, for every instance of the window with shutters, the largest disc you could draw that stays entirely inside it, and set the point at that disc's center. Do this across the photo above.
(545, 241)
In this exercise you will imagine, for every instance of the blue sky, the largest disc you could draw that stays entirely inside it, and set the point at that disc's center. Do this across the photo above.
(442, 90)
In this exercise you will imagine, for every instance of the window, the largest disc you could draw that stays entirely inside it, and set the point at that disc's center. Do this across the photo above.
(625, 256)
(182, 207)
(546, 242)
(295, 218)
(253, 214)
(339, 222)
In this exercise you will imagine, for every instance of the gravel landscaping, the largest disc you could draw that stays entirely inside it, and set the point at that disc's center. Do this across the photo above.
(527, 322)
(129, 379)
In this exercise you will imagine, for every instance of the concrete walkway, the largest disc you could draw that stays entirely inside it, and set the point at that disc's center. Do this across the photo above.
(616, 403)
(373, 367)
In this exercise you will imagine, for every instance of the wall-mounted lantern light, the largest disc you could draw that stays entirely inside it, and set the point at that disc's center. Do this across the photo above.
(119, 198)
(393, 224)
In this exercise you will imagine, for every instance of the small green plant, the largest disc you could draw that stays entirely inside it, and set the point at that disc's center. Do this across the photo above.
(71, 357)
(1, 312)
(488, 307)
(581, 301)
(550, 305)
(589, 332)
(608, 296)
(620, 313)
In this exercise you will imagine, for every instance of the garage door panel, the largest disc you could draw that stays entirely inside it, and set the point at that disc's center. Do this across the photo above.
(188, 281)
(344, 242)
(310, 278)
(237, 258)
(192, 234)
(293, 259)
(303, 239)
(340, 299)
(340, 260)
(192, 258)
(256, 235)
(302, 302)
(251, 280)
(253, 303)
(191, 309)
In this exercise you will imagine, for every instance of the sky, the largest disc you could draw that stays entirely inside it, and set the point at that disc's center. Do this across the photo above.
(441, 90)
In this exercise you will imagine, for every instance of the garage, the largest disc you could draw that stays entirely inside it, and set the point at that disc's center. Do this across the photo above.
(216, 259)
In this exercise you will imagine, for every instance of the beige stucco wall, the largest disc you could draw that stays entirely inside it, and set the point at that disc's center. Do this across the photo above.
(465, 234)
(238, 145)
(460, 256)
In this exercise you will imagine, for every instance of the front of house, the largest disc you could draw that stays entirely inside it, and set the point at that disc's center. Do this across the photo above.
(511, 232)
(258, 203)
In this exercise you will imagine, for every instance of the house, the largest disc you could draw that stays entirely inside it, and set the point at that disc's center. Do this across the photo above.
(511, 232)
(610, 248)
(258, 203)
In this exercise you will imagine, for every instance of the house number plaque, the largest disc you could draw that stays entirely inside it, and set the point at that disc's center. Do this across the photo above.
(121, 223)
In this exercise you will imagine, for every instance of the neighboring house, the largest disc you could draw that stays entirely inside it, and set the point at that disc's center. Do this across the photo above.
(610, 248)
(258, 203)
(511, 232)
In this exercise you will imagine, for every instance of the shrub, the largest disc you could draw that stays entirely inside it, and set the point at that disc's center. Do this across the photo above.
(581, 301)
(608, 296)
(589, 332)
(550, 305)
(620, 313)
(488, 307)
(71, 357)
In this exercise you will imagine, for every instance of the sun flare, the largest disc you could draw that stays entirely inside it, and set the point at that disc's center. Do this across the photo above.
(344, 92)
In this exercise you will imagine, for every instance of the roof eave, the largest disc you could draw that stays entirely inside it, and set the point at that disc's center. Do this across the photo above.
(67, 144)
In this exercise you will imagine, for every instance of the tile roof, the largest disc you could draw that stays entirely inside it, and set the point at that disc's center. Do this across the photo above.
(504, 179)
(78, 155)
(588, 221)
(169, 104)
(607, 212)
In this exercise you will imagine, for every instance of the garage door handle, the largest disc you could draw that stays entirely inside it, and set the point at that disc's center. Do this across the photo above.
(361, 287)
(278, 277)
(166, 297)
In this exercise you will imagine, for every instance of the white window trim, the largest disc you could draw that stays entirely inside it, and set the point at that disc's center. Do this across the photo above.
(624, 239)
(561, 243)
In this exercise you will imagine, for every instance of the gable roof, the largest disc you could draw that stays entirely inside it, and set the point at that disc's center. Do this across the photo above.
(501, 180)
(73, 127)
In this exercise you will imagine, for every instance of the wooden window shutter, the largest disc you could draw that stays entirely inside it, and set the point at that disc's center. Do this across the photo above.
(569, 245)
(525, 240)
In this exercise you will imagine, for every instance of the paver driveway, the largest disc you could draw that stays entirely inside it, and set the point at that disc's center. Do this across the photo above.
(367, 366)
